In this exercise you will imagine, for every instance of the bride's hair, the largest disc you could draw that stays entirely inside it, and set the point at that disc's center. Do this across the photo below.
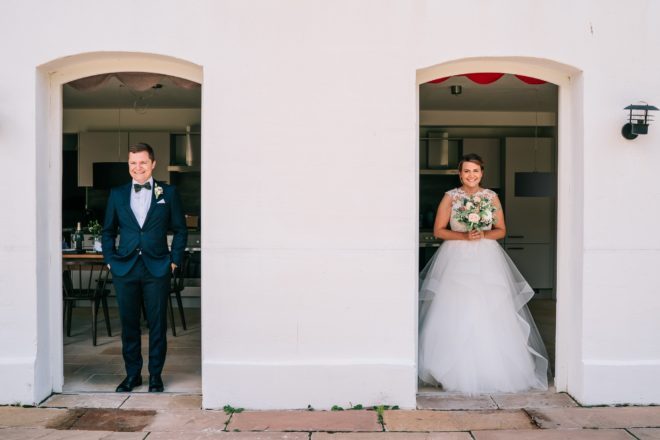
(471, 157)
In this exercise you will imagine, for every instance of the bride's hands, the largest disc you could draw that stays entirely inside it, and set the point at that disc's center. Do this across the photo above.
(475, 235)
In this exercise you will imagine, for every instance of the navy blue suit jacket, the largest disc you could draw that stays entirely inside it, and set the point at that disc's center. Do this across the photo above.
(151, 239)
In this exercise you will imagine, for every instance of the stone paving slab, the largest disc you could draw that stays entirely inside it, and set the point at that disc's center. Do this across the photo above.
(228, 436)
(606, 417)
(423, 420)
(534, 400)
(13, 416)
(188, 420)
(335, 421)
(646, 433)
(392, 436)
(53, 434)
(91, 400)
(455, 402)
(163, 401)
(554, 434)
(117, 420)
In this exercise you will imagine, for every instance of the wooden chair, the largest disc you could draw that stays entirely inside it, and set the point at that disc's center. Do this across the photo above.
(175, 289)
(86, 281)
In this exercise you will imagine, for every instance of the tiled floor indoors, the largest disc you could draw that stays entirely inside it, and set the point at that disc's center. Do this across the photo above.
(100, 369)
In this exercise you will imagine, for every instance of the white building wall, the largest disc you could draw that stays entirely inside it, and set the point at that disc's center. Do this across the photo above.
(309, 175)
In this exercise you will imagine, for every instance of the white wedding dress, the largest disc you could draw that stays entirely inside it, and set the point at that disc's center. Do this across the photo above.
(476, 333)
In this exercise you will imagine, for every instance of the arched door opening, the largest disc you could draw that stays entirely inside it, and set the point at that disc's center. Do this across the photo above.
(102, 116)
(119, 98)
(517, 121)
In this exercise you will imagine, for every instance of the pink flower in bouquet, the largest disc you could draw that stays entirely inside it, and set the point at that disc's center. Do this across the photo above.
(476, 199)
(473, 217)
(469, 205)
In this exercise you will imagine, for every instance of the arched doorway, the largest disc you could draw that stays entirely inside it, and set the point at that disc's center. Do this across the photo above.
(51, 78)
(567, 368)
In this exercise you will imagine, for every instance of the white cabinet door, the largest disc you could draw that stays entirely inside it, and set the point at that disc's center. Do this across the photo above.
(160, 142)
(535, 262)
(528, 219)
(99, 147)
(489, 150)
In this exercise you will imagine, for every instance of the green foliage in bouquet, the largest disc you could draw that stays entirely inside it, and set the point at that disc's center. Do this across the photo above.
(476, 212)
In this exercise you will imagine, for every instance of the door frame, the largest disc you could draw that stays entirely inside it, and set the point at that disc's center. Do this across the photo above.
(51, 77)
(570, 193)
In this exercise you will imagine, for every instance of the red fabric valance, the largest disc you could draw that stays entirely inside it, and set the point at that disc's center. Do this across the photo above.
(488, 78)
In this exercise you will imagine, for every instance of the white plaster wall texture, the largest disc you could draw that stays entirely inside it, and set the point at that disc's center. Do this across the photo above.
(309, 181)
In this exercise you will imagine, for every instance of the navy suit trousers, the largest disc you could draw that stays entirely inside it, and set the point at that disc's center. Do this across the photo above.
(135, 288)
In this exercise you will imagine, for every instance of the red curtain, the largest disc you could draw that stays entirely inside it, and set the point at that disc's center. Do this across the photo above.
(488, 78)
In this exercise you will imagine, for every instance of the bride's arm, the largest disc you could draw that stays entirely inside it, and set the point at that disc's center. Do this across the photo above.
(499, 228)
(440, 229)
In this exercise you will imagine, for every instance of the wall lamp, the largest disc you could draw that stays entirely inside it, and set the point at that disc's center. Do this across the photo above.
(638, 120)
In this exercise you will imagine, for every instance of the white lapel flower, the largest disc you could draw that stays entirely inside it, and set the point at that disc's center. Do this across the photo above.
(158, 190)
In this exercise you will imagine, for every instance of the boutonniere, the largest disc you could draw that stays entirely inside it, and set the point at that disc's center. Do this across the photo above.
(158, 190)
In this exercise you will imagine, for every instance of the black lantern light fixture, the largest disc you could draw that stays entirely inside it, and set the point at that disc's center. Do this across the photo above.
(638, 120)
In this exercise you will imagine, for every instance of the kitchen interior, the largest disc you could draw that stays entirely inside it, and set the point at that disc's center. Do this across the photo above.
(102, 116)
(511, 122)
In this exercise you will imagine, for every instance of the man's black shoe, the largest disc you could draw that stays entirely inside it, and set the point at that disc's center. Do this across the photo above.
(155, 384)
(127, 385)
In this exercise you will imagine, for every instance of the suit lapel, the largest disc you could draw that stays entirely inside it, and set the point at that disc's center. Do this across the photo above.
(152, 204)
(126, 195)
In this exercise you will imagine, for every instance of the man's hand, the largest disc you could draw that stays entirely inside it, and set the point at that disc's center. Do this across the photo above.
(173, 267)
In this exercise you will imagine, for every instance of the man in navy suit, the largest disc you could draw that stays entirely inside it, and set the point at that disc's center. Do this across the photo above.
(143, 210)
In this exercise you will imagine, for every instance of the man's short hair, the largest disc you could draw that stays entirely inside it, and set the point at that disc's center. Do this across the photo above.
(142, 146)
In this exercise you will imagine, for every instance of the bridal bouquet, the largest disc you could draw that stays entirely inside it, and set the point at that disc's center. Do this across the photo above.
(475, 212)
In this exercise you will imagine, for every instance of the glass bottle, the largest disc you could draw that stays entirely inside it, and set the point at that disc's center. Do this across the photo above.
(78, 238)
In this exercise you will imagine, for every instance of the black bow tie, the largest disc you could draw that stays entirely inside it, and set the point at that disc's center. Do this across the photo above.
(137, 187)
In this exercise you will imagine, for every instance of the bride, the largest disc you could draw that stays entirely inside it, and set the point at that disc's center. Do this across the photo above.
(476, 333)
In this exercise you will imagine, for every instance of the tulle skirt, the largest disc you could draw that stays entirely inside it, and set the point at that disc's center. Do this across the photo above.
(476, 333)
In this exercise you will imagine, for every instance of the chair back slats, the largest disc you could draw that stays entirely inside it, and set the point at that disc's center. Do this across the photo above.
(84, 280)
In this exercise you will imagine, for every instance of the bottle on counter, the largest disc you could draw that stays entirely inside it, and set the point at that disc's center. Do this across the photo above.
(78, 238)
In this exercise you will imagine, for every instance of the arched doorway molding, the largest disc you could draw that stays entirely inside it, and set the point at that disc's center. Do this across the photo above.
(570, 166)
(51, 76)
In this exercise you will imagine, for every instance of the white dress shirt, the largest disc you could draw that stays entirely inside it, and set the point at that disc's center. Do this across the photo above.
(141, 201)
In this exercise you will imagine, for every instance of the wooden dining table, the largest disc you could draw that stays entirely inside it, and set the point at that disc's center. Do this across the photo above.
(83, 256)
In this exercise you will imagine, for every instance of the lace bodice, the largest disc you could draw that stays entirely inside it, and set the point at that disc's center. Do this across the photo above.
(457, 194)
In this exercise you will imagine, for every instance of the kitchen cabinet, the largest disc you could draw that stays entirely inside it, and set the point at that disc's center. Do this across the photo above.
(535, 262)
(489, 150)
(113, 147)
(99, 147)
(530, 221)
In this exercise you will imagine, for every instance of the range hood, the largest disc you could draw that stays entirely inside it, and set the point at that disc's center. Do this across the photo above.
(186, 153)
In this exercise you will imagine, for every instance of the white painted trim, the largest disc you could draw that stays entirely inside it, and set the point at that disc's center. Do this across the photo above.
(49, 372)
(628, 382)
(568, 365)
(286, 385)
